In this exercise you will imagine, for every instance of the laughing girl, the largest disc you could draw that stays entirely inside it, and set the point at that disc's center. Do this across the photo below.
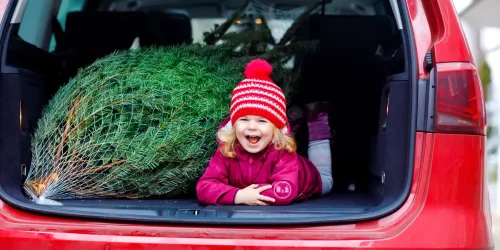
(256, 163)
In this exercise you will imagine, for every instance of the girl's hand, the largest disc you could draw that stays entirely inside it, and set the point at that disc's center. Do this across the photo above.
(251, 195)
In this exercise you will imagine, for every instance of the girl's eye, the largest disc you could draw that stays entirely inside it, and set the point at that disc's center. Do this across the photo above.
(244, 119)
(262, 121)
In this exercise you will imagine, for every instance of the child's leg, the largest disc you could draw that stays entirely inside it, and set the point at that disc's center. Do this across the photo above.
(319, 155)
(319, 143)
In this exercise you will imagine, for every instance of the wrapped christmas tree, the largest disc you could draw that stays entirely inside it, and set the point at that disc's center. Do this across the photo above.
(142, 123)
(133, 124)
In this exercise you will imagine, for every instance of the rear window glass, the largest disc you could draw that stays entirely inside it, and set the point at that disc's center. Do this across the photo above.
(279, 14)
(204, 16)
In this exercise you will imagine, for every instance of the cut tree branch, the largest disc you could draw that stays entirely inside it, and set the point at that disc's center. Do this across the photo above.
(215, 35)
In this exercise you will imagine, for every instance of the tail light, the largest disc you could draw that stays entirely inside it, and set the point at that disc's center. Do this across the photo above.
(459, 100)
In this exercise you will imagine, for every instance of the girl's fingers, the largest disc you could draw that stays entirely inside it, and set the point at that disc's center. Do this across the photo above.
(266, 198)
(254, 186)
(260, 203)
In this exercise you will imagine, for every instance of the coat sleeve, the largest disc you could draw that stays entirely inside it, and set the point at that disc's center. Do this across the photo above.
(284, 179)
(213, 188)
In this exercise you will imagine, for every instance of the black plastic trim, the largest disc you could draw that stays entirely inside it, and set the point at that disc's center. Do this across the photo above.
(431, 100)
(428, 61)
(422, 114)
(382, 210)
(426, 101)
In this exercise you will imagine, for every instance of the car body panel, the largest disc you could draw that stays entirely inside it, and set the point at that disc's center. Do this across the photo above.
(447, 207)
(436, 28)
(440, 212)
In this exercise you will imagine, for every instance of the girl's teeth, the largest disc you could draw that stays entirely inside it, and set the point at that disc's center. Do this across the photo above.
(253, 139)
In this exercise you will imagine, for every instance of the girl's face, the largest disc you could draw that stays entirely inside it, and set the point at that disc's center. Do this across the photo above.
(254, 133)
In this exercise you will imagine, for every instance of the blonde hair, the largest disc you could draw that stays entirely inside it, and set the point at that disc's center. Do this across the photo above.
(280, 140)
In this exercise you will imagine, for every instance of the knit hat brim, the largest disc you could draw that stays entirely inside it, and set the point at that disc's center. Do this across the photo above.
(229, 126)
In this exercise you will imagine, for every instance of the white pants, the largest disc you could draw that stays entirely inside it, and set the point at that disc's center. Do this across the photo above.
(320, 155)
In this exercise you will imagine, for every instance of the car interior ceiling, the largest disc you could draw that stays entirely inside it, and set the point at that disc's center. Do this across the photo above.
(346, 67)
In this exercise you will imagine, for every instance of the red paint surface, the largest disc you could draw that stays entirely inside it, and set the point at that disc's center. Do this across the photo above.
(447, 207)
(436, 28)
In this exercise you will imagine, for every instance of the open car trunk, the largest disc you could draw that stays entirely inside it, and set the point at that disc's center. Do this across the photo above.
(362, 67)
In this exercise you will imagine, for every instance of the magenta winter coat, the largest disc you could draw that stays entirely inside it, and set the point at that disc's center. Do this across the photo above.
(292, 176)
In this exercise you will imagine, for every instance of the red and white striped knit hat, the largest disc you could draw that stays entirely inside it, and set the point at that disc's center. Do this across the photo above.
(259, 95)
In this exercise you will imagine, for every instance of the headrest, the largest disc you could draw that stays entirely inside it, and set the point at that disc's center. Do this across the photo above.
(115, 30)
(354, 35)
(112, 30)
(169, 28)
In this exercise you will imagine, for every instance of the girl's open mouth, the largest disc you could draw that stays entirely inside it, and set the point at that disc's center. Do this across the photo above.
(252, 139)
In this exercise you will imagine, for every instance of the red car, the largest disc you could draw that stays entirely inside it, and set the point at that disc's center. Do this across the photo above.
(406, 105)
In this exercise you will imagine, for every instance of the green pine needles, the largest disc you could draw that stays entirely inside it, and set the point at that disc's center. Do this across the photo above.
(133, 124)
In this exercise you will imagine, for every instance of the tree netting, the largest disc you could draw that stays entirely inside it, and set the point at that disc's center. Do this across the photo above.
(142, 123)
(133, 124)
